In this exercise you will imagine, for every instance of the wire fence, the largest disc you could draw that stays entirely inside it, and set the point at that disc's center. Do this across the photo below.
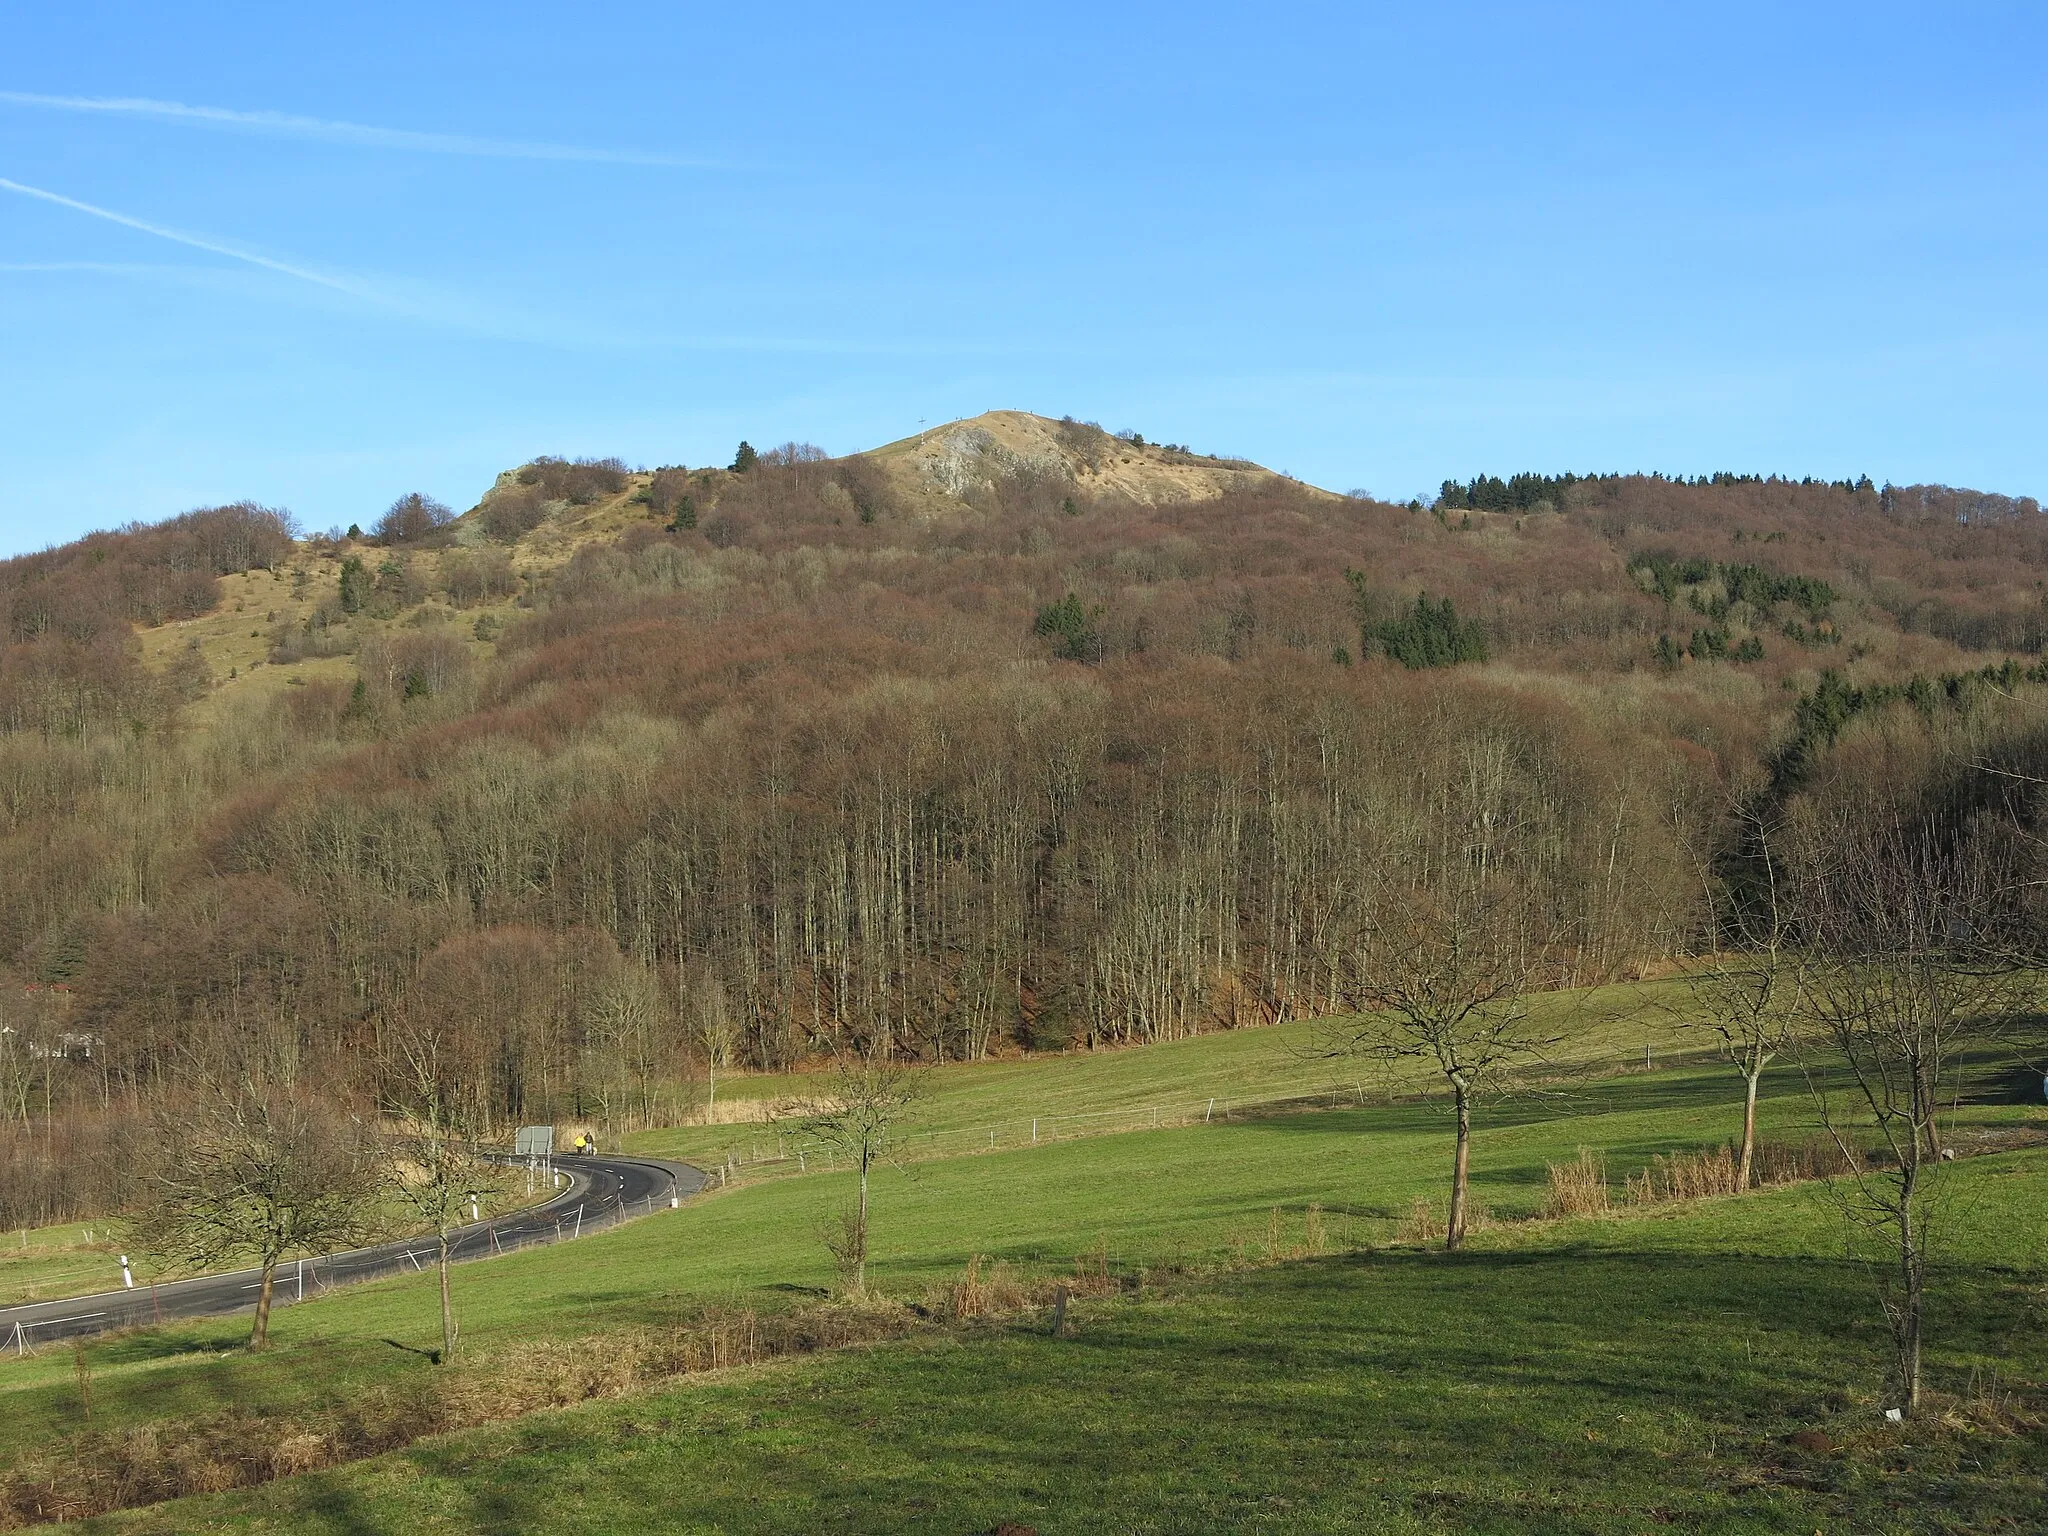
(766, 1150)
(770, 1152)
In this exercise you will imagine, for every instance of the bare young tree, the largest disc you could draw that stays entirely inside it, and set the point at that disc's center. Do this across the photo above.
(1907, 977)
(1444, 979)
(710, 1027)
(438, 1169)
(1747, 996)
(1748, 1001)
(860, 1110)
(256, 1170)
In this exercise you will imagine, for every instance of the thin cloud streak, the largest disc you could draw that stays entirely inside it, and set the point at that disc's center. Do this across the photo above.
(216, 247)
(530, 328)
(362, 134)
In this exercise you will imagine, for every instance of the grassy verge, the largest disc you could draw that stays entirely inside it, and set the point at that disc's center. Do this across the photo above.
(72, 1258)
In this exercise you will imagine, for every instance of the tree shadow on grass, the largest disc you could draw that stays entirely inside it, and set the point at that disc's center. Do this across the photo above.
(1634, 1329)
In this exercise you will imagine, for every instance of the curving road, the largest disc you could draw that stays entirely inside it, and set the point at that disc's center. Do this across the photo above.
(603, 1192)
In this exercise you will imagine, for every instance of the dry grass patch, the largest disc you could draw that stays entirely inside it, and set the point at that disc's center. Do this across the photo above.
(94, 1472)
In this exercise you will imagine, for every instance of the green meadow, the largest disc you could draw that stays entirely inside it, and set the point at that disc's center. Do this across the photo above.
(1278, 1354)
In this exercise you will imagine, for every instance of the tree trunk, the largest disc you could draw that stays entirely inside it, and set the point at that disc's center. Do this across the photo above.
(1454, 1229)
(860, 1234)
(1912, 1272)
(1742, 1173)
(447, 1306)
(259, 1335)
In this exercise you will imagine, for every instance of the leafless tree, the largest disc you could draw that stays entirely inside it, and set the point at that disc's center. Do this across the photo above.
(860, 1109)
(411, 518)
(255, 1169)
(1747, 995)
(1444, 978)
(1908, 976)
(437, 1169)
(710, 1028)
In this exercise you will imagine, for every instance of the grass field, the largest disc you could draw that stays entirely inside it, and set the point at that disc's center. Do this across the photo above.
(980, 1106)
(1582, 1389)
(69, 1259)
(1560, 1377)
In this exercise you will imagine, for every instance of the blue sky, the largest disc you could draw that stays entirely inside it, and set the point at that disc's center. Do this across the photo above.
(320, 257)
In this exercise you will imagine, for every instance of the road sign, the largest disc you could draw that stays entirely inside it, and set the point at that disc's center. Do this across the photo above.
(535, 1141)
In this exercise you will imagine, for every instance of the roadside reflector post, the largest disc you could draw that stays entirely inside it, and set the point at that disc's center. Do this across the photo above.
(127, 1275)
(1034, 1130)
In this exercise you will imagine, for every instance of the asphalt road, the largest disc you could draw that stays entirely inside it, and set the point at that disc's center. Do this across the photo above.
(603, 1192)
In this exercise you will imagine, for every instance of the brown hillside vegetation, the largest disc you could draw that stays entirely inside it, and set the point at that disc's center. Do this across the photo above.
(623, 771)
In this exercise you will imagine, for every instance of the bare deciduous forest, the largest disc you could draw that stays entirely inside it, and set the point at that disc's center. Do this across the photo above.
(777, 762)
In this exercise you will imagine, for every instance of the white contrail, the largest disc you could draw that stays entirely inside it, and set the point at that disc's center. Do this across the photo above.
(348, 133)
(217, 247)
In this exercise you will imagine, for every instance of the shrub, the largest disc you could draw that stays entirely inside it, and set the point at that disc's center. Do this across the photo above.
(668, 496)
(411, 519)
(580, 482)
(508, 514)
(355, 584)
(791, 454)
(865, 485)
(1428, 635)
(478, 576)
(1578, 1189)
(1072, 629)
(415, 666)
(1685, 1176)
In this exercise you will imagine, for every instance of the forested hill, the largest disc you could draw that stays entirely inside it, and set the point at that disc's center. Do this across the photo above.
(1012, 735)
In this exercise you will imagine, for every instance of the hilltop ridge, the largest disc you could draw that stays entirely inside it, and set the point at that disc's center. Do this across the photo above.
(1172, 549)
(952, 464)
